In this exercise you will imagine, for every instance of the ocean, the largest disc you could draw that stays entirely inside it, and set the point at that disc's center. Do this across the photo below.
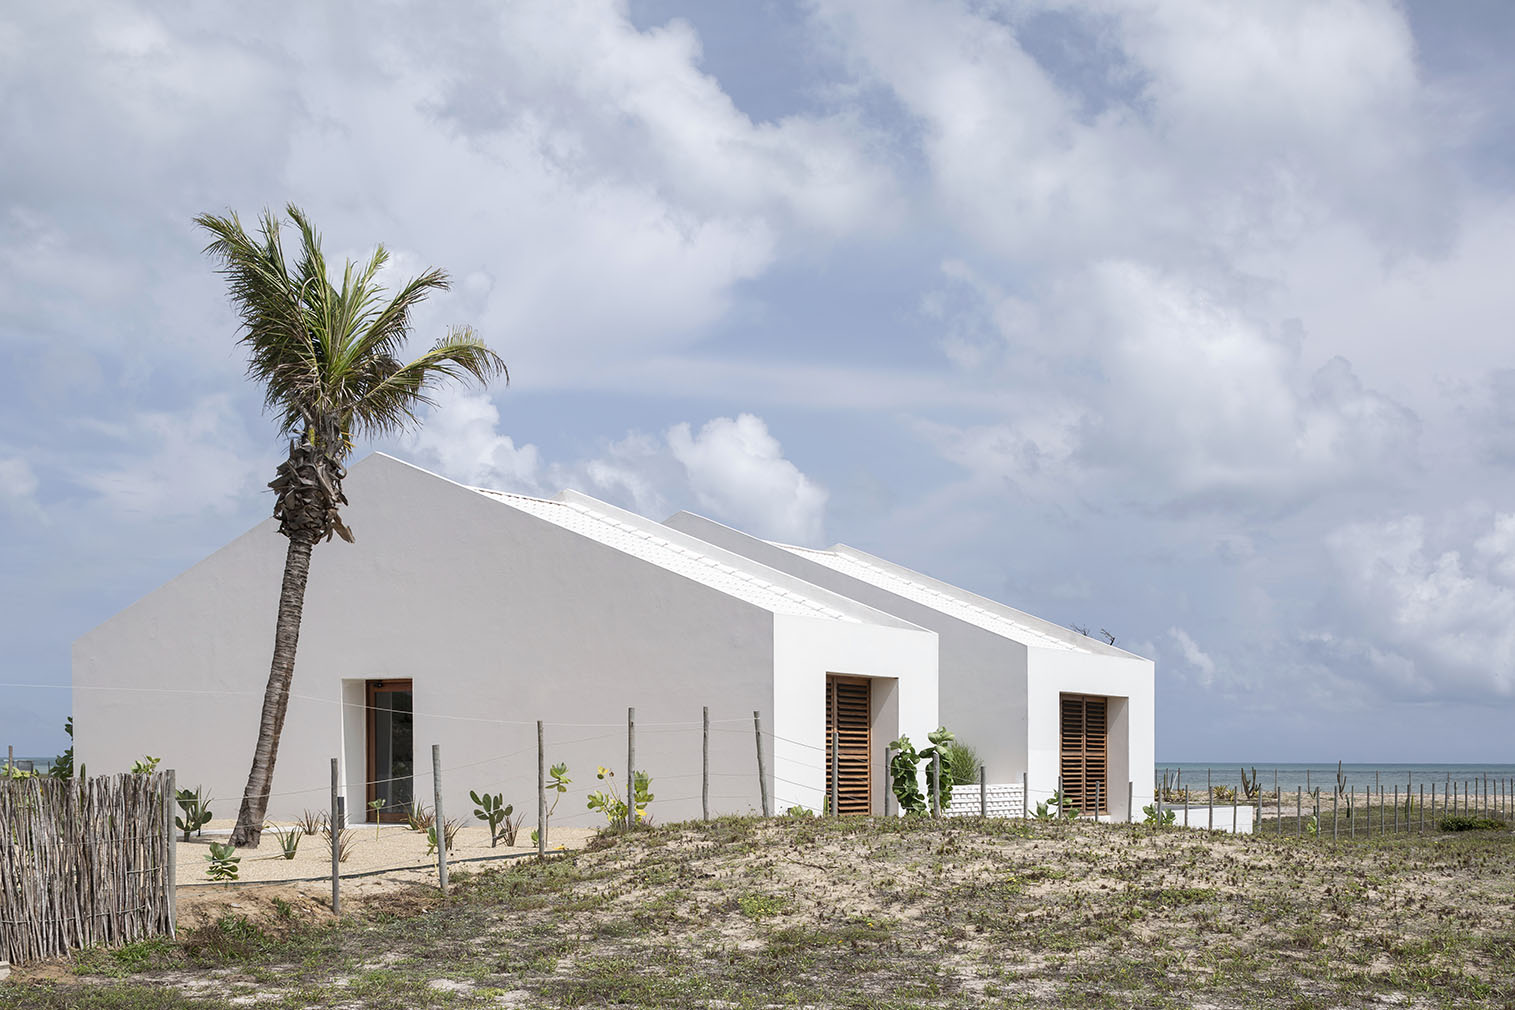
(1288, 777)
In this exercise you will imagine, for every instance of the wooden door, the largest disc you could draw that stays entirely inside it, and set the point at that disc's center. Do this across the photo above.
(849, 736)
(1085, 751)
(391, 750)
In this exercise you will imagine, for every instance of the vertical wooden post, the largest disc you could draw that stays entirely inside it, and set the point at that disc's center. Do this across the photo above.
(1423, 805)
(836, 769)
(171, 854)
(983, 792)
(705, 767)
(1234, 800)
(541, 795)
(1025, 796)
(1098, 799)
(1351, 818)
(1396, 808)
(1299, 812)
(1335, 824)
(631, 767)
(1210, 799)
(441, 822)
(1130, 801)
(1278, 804)
(936, 784)
(757, 729)
(888, 781)
(336, 846)
(1383, 822)
(1433, 807)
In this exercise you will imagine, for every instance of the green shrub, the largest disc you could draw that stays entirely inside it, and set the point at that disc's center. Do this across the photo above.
(196, 807)
(1467, 822)
(962, 762)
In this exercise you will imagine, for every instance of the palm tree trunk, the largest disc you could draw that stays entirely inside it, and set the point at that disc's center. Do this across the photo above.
(249, 827)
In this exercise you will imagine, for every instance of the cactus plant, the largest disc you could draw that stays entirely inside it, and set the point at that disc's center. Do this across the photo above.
(1249, 784)
(494, 811)
(196, 807)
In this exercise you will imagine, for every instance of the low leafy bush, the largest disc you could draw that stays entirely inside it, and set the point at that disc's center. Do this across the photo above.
(609, 801)
(1467, 822)
(962, 762)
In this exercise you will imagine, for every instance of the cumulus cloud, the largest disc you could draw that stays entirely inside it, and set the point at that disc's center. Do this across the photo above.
(733, 468)
(1194, 655)
(178, 464)
(737, 469)
(1436, 605)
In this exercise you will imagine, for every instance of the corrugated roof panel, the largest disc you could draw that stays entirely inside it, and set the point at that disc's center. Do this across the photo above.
(691, 564)
(946, 603)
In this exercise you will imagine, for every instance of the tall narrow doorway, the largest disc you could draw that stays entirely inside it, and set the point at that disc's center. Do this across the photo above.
(391, 749)
(1085, 753)
(849, 737)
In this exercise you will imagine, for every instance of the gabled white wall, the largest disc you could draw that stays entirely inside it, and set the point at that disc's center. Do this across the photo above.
(496, 615)
(982, 676)
(1128, 683)
(902, 663)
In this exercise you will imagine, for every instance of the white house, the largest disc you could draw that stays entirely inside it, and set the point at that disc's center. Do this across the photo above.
(460, 617)
(1032, 697)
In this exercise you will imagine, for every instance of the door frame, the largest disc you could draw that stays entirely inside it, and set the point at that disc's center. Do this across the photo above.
(370, 755)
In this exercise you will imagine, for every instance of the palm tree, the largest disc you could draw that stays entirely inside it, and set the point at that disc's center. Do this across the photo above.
(327, 360)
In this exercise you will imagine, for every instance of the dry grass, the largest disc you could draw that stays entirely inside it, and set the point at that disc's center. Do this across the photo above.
(873, 914)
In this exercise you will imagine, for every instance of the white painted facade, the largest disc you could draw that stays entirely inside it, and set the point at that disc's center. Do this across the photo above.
(502, 610)
(1001, 671)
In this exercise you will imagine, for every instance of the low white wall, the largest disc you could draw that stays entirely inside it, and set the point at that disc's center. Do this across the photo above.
(1199, 817)
(1004, 800)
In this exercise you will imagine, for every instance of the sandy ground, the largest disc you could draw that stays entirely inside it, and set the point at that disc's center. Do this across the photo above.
(392, 846)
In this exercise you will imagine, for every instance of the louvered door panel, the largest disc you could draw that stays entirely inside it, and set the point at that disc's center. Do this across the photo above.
(1085, 751)
(849, 705)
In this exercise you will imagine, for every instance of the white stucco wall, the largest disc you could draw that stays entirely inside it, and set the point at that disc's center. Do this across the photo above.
(499, 618)
(903, 666)
(982, 675)
(1128, 683)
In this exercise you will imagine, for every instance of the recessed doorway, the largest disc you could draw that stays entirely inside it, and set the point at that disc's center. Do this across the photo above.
(391, 750)
(1085, 752)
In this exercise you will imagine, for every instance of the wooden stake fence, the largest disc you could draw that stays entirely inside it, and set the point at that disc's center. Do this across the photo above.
(83, 862)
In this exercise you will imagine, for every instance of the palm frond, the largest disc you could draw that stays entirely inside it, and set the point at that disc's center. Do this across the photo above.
(389, 406)
(328, 356)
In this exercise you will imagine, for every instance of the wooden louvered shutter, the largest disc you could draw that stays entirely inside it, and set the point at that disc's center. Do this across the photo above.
(849, 701)
(1085, 752)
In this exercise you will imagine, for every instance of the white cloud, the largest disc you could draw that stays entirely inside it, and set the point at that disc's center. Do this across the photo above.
(462, 436)
(733, 468)
(18, 486)
(1440, 600)
(1194, 655)
(738, 470)
(176, 465)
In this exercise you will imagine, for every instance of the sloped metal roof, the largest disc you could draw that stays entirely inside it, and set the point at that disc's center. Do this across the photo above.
(677, 554)
(937, 595)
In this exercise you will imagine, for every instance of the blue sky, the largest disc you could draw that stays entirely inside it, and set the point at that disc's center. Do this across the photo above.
(1189, 321)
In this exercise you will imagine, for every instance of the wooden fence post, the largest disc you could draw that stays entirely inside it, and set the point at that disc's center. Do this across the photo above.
(541, 795)
(171, 872)
(336, 844)
(757, 729)
(1335, 824)
(936, 784)
(1351, 815)
(1025, 796)
(1210, 800)
(1130, 801)
(631, 767)
(888, 781)
(983, 792)
(705, 767)
(441, 822)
